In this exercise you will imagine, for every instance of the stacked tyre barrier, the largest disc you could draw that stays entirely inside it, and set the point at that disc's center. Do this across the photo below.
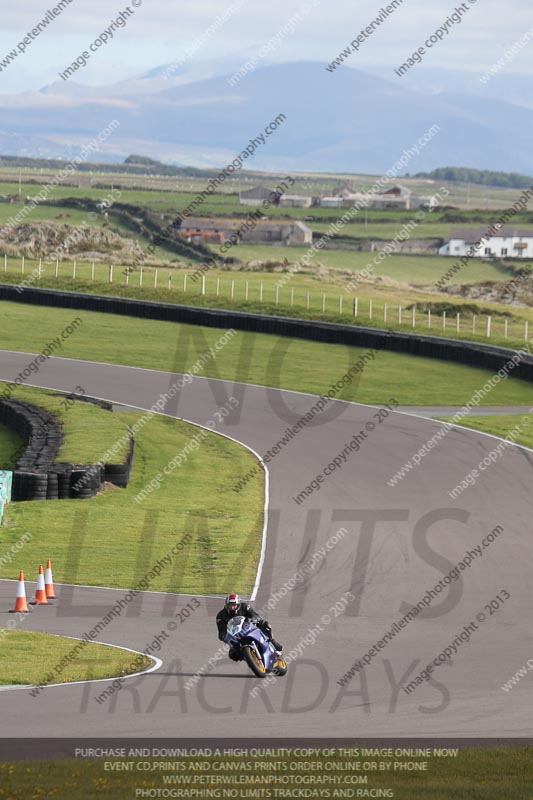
(119, 474)
(37, 474)
(464, 352)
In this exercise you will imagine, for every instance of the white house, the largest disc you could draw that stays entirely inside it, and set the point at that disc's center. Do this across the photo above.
(508, 243)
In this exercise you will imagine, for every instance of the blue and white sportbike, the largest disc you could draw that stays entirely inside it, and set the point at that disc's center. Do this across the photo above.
(256, 648)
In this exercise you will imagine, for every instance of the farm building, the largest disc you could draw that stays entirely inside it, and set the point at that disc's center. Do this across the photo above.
(396, 197)
(295, 233)
(507, 243)
(295, 201)
(198, 236)
(256, 196)
(205, 230)
(331, 202)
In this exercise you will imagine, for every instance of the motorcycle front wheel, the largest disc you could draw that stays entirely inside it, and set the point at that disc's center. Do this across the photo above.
(253, 661)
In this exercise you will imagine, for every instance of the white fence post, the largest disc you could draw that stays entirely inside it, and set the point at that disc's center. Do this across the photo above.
(40, 267)
(22, 266)
(443, 320)
(92, 270)
(505, 326)
(414, 315)
(73, 270)
(458, 323)
(308, 301)
(5, 263)
(385, 312)
(141, 276)
(489, 322)
(355, 306)
(185, 282)
(218, 286)
(340, 304)
(169, 279)
(111, 273)
(292, 295)
(127, 276)
(246, 290)
(429, 318)
(203, 284)
(399, 315)
(370, 309)
(260, 292)
(526, 332)
(277, 294)
(232, 289)
(155, 279)
(323, 302)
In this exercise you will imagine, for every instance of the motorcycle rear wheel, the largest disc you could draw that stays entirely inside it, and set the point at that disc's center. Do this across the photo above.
(255, 664)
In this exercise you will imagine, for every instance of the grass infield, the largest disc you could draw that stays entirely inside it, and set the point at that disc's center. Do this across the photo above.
(249, 357)
(30, 658)
(102, 540)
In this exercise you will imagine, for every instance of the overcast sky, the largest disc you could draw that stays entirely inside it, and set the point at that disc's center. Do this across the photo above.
(160, 32)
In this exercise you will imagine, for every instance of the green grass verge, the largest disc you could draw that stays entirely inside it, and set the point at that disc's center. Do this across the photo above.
(302, 295)
(254, 358)
(518, 426)
(491, 773)
(413, 269)
(88, 430)
(110, 540)
(30, 658)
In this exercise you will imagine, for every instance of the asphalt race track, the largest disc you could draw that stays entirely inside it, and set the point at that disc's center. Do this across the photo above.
(400, 542)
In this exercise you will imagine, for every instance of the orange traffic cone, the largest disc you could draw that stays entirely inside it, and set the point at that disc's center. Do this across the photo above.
(49, 581)
(40, 592)
(21, 605)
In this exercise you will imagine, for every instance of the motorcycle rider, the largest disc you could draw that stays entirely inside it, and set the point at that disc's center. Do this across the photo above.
(233, 607)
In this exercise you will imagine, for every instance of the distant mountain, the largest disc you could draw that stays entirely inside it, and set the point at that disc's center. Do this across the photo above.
(345, 121)
(506, 85)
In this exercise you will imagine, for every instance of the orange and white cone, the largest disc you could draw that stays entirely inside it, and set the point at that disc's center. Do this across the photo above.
(21, 606)
(40, 592)
(49, 581)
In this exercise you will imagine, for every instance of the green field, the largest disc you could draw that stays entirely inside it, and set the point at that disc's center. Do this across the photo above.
(414, 269)
(139, 188)
(254, 358)
(29, 658)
